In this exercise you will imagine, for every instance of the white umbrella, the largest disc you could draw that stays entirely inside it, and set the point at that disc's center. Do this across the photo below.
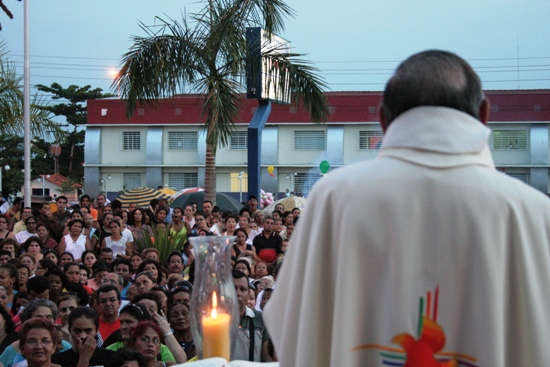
(289, 203)
(186, 191)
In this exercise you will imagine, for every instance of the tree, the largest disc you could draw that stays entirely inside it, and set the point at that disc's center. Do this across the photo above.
(12, 102)
(208, 55)
(75, 113)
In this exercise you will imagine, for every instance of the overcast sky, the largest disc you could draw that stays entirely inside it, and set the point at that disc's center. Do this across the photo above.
(355, 43)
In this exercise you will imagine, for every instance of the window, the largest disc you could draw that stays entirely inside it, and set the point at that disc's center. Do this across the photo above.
(131, 140)
(38, 192)
(239, 140)
(509, 139)
(179, 140)
(180, 181)
(131, 181)
(239, 185)
(310, 140)
(303, 182)
(523, 177)
(369, 140)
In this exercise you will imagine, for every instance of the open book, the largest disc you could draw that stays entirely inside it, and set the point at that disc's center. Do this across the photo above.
(220, 362)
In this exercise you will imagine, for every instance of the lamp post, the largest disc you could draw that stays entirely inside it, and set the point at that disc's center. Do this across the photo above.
(104, 182)
(6, 168)
(241, 186)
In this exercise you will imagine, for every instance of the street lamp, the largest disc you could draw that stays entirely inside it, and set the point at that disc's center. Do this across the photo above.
(291, 180)
(7, 168)
(104, 182)
(241, 186)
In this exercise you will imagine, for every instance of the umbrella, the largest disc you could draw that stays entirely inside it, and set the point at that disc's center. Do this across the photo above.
(289, 203)
(142, 196)
(225, 202)
(186, 191)
(168, 191)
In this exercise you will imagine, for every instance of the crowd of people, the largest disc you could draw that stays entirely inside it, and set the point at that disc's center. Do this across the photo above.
(75, 289)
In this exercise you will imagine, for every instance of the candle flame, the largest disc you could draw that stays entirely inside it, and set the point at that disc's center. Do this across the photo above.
(214, 305)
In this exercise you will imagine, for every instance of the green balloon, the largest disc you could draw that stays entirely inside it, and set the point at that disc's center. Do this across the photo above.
(324, 167)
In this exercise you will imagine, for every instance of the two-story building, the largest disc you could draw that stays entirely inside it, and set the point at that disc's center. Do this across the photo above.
(165, 145)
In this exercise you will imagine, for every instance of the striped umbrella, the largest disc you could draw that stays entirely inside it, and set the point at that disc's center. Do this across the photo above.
(142, 196)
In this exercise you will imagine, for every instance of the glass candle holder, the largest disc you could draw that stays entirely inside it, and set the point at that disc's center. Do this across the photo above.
(214, 306)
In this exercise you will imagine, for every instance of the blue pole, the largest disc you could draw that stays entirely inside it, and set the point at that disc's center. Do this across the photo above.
(255, 146)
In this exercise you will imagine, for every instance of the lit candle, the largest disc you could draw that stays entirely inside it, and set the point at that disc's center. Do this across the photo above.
(215, 330)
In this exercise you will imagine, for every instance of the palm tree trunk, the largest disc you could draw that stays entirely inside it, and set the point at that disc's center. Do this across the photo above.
(210, 175)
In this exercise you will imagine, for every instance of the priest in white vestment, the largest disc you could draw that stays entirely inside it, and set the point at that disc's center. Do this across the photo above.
(426, 255)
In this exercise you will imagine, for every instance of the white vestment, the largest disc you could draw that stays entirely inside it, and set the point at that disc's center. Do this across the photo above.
(430, 211)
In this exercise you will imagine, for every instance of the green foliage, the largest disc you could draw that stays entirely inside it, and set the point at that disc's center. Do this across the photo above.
(75, 112)
(208, 55)
(12, 102)
(161, 241)
(67, 187)
(74, 109)
(12, 154)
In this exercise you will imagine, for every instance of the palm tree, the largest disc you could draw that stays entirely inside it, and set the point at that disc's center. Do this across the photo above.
(12, 102)
(208, 55)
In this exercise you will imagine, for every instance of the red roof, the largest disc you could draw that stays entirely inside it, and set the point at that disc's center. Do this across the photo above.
(58, 180)
(507, 105)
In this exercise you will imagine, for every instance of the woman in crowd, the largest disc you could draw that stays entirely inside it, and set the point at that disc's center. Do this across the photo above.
(161, 214)
(44, 234)
(105, 230)
(162, 294)
(83, 327)
(31, 224)
(130, 316)
(288, 218)
(33, 246)
(43, 266)
(135, 260)
(65, 257)
(201, 223)
(101, 269)
(38, 342)
(244, 266)
(147, 338)
(58, 281)
(29, 261)
(24, 274)
(230, 225)
(65, 304)
(189, 216)
(85, 274)
(152, 267)
(150, 253)
(260, 270)
(75, 214)
(75, 242)
(7, 330)
(89, 258)
(144, 282)
(241, 248)
(4, 299)
(10, 281)
(52, 255)
(179, 318)
(4, 231)
(178, 228)
(137, 225)
(116, 242)
(19, 300)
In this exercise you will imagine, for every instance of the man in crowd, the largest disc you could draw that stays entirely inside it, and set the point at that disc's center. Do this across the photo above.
(61, 214)
(268, 243)
(108, 300)
(123, 268)
(20, 226)
(14, 213)
(251, 322)
(207, 209)
(430, 219)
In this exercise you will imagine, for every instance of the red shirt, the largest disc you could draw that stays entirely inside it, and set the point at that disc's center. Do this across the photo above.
(106, 329)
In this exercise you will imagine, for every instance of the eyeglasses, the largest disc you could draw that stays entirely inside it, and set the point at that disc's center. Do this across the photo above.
(65, 309)
(108, 281)
(23, 275)
(35, 342)
(147, 340)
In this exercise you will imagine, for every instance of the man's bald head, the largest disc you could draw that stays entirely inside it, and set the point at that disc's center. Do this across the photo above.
(432, 78)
